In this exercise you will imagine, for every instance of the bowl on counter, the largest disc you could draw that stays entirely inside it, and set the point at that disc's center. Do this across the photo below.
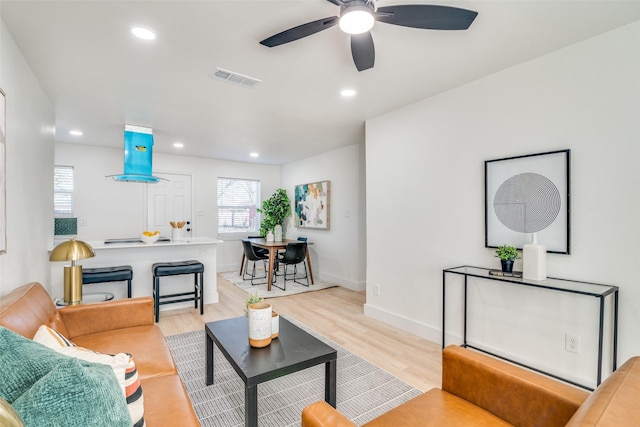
(149, 239)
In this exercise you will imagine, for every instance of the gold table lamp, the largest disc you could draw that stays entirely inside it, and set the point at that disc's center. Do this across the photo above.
(72, 250)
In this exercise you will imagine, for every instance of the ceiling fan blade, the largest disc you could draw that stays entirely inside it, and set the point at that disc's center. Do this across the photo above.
(430, 17)
(336, 2)
(300, 31)
(363, 51)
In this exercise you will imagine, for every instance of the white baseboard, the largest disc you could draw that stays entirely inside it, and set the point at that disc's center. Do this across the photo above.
(228, 268)
(353, 285)
(420, 329)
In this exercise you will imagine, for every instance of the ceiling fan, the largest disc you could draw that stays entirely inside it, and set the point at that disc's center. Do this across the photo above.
(358, 16)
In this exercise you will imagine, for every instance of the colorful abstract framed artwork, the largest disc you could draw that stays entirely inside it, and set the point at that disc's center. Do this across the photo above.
(528, 194)
(3, 173)
(311, 207)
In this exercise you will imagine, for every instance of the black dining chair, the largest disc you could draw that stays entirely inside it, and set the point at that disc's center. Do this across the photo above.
(251, 255)
(303, 239)
(259, 251)
(294, 254)
(281, 253)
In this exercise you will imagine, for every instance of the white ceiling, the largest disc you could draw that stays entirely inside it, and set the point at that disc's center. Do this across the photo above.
(100, 77)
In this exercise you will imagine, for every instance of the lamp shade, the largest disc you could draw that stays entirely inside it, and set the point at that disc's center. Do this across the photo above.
(72, 250)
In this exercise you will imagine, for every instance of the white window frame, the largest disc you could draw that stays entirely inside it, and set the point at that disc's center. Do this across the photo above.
(63, 186)
(240, 202)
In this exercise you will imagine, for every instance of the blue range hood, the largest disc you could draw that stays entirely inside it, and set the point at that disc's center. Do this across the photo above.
(138, 156)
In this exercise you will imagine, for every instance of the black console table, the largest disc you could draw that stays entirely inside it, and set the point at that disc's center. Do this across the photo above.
(596, 290)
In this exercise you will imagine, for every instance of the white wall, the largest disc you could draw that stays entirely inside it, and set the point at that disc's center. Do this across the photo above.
(29, 171)
(425, 167)
(338, 255)
(115, 209)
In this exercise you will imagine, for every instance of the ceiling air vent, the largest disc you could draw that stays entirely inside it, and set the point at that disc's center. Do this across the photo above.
(236, 78)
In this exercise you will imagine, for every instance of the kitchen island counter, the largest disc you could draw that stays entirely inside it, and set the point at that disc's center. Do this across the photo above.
(98, 244)
(141, 256)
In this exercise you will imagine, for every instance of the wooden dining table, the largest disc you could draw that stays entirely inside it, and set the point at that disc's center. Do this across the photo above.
(273, 248)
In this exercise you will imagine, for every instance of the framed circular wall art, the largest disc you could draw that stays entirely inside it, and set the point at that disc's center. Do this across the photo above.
(528, 194)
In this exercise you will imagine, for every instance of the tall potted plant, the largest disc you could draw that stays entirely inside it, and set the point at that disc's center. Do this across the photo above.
(274, 211)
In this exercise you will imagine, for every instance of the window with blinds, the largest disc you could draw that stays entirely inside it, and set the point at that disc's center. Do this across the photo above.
(62, 190)
(237, 205)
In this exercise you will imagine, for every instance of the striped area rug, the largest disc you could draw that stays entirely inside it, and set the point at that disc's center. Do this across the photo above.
(363, 391)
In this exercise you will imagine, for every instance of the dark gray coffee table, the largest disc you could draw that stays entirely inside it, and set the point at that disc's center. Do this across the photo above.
(292, 351)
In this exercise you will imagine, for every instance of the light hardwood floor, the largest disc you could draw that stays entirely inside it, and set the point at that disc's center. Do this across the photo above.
(338, 314)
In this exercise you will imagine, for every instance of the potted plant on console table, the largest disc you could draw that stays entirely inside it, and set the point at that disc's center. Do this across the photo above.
(507, 254)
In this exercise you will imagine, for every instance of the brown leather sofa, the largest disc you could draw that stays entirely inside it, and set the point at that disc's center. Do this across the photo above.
(478, 390)
(110, 327)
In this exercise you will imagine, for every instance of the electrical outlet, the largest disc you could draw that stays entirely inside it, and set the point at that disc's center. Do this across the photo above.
(376, 290)
(572, 343)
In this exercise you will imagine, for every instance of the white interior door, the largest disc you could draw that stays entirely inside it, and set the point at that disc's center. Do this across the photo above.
(169, 201)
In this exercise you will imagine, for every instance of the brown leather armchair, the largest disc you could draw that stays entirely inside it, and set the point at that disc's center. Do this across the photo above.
(479, 390)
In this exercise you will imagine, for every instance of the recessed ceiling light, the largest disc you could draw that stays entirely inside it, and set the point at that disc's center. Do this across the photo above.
(347, 92)
(178, 145)
(75, 132)
(254, 154)
(143, 33)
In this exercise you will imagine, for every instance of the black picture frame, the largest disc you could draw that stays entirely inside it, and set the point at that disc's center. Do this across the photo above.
(553, 165)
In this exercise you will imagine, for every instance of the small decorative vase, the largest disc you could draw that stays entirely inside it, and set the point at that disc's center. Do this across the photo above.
(277, 233)
(269, 237)
(259, 324)
(534, 260)
(275, 325)
(507, 265)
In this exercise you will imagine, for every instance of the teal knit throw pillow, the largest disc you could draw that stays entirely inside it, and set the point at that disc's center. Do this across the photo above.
(23, 363)
(75, 394)
(47, 388)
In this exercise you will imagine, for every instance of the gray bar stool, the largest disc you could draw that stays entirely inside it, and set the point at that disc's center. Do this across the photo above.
(163, 269)
(108, 274)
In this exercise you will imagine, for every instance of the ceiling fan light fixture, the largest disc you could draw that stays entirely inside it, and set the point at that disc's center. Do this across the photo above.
(356, 20)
